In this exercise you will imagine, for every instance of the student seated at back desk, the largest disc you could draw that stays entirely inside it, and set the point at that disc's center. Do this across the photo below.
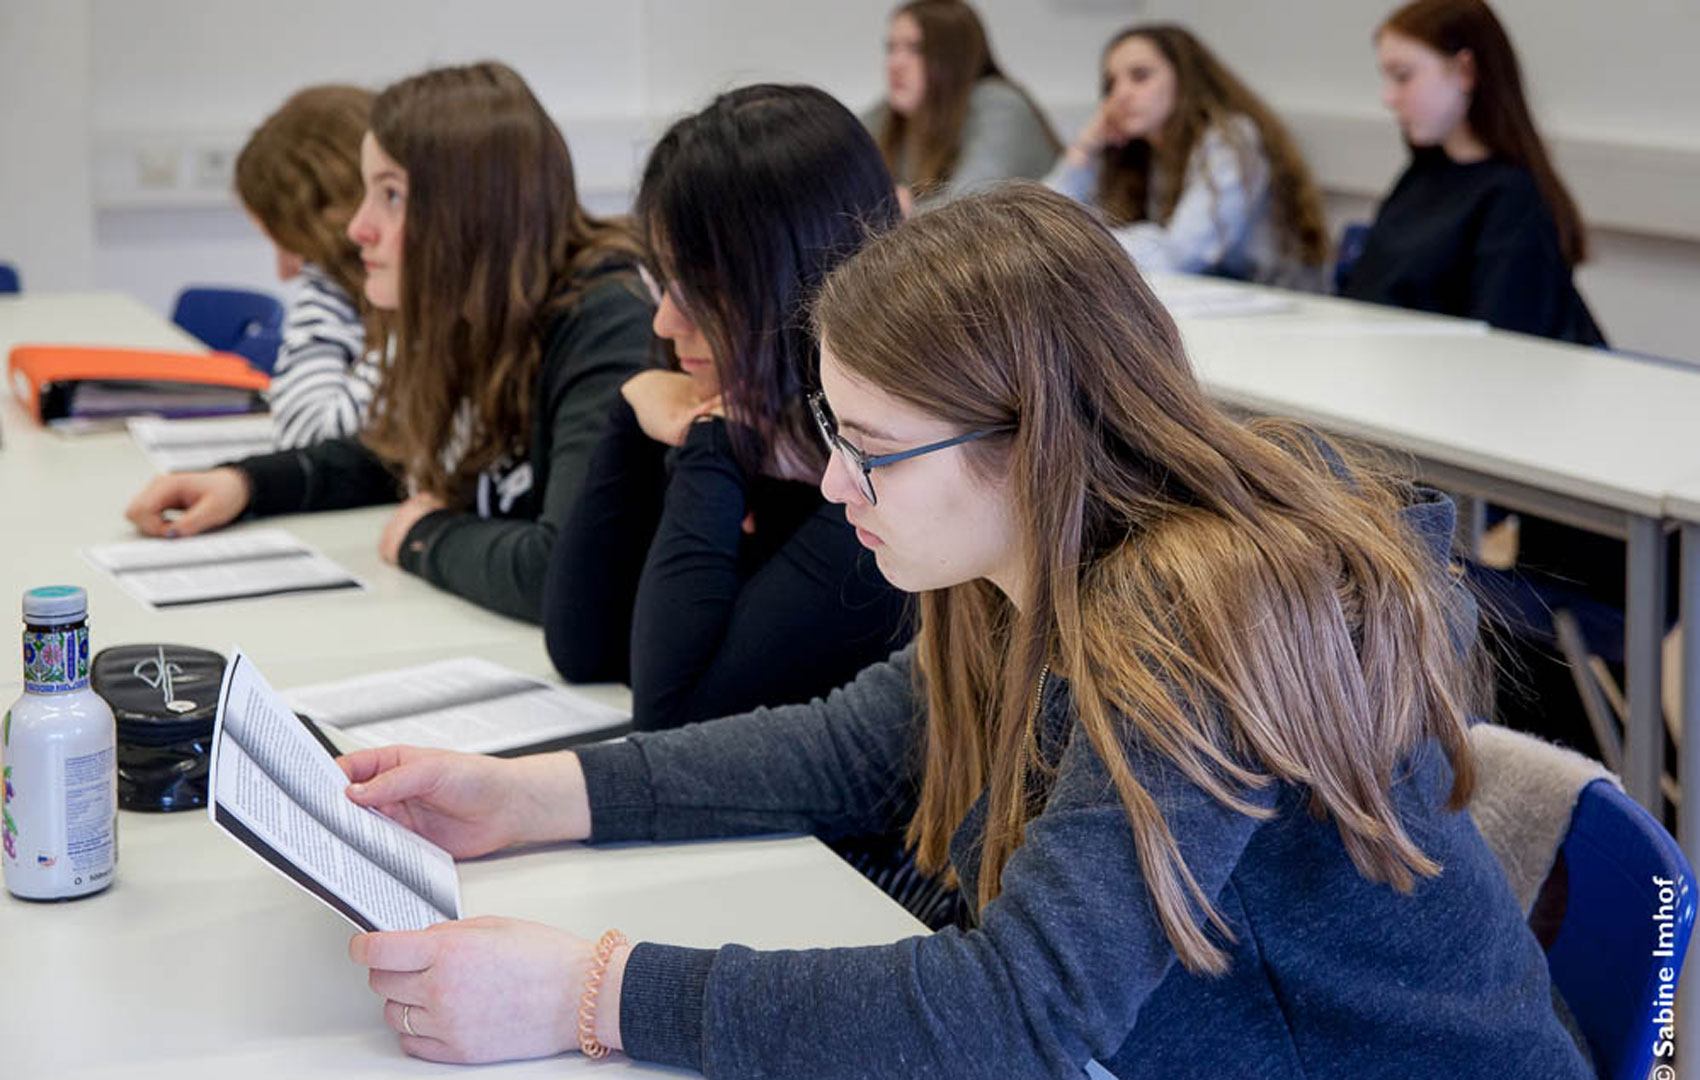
(518, 317)
(1479, 225)
(298, 176)
(1197, 174)
(952, 121)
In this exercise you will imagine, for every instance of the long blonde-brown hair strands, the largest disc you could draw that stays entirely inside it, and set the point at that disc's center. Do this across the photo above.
(1241, 599)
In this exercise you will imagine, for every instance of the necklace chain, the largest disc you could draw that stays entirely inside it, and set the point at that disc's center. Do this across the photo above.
(1039, 692)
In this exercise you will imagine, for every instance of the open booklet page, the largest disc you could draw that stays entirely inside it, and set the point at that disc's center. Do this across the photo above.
(279, 793)
(461, 704)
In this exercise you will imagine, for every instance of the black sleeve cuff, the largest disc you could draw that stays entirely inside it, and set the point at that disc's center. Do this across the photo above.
(277, 483)
(416, 546)
(662, 1000)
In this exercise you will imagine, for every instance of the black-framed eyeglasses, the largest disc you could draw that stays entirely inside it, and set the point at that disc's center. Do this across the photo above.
(863, 465)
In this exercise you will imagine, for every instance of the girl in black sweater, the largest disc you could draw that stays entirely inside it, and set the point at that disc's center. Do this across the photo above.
(1479, 225)
(518, 317)
(701, 564)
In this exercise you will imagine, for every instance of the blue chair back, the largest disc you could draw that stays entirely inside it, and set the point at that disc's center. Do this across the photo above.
(1618, 925)
(233, 320)
(1351, 245)
(9, 282)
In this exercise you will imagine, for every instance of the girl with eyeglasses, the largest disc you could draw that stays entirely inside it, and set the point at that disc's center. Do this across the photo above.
(1186, 717)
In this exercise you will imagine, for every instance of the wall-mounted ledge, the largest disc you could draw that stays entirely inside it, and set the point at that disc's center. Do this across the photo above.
(1639, 187)
(1631, 186)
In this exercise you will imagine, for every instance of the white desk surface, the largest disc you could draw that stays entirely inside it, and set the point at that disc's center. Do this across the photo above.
(64, 492)
(1683, 501)
(87, 318)
(1579, 422)
(202, 962)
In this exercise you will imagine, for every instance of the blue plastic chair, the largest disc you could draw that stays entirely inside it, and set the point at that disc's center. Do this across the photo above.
(9, 282)
(1351, 245)
(233, 320)
(1602, 958)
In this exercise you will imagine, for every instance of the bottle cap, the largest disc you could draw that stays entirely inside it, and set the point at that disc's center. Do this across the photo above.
(54, 604)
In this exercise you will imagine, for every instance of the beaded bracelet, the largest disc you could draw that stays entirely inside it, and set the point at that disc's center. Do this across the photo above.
(587, 1041)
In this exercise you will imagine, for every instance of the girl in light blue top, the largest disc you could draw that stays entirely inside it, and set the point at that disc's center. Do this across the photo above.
(1195, 173)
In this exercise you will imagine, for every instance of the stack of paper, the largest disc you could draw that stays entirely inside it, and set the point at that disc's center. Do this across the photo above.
(223, 566)
(463, 704)
(189, 445)
(1193, 298)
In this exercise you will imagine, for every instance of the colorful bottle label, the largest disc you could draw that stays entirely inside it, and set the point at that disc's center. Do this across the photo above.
(8, 827)
(56, 660)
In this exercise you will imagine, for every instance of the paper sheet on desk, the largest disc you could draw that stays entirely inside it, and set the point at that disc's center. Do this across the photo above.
(223, 566)
(1187, 298)
(461, 704)
(280, 794)
(1390, 325)
(189, 445)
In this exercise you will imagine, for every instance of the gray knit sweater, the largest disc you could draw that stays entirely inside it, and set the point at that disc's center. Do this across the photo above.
(1331, 976)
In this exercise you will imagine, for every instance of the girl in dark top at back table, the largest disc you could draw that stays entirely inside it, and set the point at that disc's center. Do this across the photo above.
(702, 564)
(1479, 225)
(517, 319)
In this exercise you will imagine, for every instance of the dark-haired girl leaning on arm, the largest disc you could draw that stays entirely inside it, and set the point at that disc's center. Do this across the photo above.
(518, 317)
(702, 565)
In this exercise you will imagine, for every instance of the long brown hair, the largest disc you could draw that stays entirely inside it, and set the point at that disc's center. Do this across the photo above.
(957, 55)
(299, 175)
(496, 247)
(1499, 110)
(1242, 600)
(1208, 96)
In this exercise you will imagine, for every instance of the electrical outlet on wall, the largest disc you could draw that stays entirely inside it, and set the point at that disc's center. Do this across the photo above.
(215, 167)
(157, 168)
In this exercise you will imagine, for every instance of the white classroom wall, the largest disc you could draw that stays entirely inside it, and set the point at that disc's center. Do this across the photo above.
(135, 108)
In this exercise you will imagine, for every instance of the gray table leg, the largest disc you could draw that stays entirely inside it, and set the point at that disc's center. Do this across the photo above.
(1688, 774)
(1644, 743)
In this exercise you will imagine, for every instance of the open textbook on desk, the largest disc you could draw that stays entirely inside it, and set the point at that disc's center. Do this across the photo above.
(460, 704)
(280, 794)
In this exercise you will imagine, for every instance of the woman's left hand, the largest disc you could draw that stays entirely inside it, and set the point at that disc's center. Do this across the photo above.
(486, 989)
(401, 523)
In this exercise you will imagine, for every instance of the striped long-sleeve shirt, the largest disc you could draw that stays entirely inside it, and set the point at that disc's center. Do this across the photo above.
(321, 385)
